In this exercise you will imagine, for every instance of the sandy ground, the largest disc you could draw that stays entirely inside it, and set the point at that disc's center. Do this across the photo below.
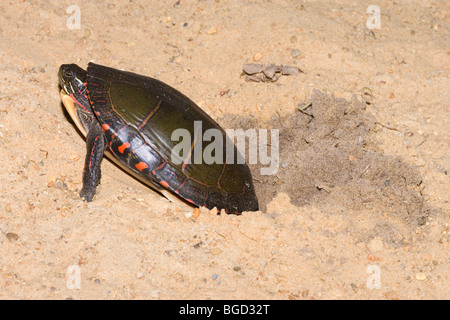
(330, 243)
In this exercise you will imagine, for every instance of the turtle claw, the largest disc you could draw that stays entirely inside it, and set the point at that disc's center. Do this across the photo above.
(87, 195)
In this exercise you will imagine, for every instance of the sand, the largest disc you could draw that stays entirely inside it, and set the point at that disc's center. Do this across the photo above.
(359, 208)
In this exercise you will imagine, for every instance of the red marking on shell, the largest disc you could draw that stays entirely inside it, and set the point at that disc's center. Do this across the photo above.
(162, 165)
(123, 147)
(141, 166)
(164, 184)
(105, 127)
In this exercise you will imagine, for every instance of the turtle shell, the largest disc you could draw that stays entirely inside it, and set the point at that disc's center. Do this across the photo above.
(139, 115)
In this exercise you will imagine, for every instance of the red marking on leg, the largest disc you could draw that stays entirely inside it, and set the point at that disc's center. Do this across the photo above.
(123, 147)
(92, 152)
(105, 127)
(141, 166)
(189, 200)
(164, 184)
(76, 101)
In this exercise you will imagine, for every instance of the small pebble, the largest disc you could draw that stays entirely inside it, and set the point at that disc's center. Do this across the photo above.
(196, 213)
(12, 237)
(61, 185)
(214, 276)
(295, 53)
(421, 276)
(198, 244)
(212, 31)
(75, 157)
(372, 258)
(360, 141)
(257, 57)
(188, 214)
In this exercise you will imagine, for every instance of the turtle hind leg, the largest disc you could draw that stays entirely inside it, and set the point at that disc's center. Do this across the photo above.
(95, 146)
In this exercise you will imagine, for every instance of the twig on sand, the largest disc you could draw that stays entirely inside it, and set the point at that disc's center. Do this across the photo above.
(302, 108)
(387, 127)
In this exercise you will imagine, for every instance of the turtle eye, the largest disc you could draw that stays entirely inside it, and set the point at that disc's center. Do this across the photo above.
(68, 73)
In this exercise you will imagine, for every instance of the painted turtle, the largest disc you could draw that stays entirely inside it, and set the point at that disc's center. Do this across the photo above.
(132, 118)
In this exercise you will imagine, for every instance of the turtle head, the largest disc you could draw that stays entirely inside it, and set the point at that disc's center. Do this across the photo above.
(72, 78)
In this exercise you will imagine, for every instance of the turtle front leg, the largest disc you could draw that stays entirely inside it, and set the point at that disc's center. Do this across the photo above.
(95, 146)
